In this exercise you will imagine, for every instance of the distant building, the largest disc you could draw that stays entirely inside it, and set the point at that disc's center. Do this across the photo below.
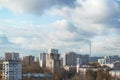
(83, 59)
(73, 59)
(12, 70)
(61, 62)
(83, 69)
(53, 60)
(37, 76)
(12, 67)
(12, 56)
(111, 61)
(115, 74)
(70, 68)
(102, 61)
(42, 60)
(55, 51)
(70, 59)
(95, 59)
(28, 60)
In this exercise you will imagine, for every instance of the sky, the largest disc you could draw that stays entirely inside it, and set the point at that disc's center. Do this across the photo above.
(34, 26)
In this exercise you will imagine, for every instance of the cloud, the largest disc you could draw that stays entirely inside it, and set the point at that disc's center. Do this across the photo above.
(67, 31)
(4, 40)
(108, 45)
(36, 6)
(113, 44)
(83, 20)
(87, 21)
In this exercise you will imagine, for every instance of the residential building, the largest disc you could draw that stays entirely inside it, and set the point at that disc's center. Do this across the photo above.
(55, 51)
(83, 69)
(83, 59)
(28, 60)
(12, 56)
(111, 61)
(38, 76)
(115, 74)
(42, 60)
(12, 70)
(70, 59)
(70, 68)
(53, 60)
(73, 59)
(95, 59)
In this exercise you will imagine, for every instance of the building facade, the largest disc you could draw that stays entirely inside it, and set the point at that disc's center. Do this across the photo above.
(12, 70)
(42, 60)
(12, 56)
(73, 59)
(28, 60)
(83, 59)
(70, 59)
(53, 60)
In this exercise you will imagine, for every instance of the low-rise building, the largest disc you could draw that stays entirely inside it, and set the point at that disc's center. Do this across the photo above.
(115, 73)
(37, 76)
(70, 68)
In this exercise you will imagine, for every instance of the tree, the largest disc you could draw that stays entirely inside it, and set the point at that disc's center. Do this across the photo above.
(91, 75)
(103, 75)
(32, 69)
(95, 64)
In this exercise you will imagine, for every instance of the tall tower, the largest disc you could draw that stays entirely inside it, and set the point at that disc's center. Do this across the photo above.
(90, 50)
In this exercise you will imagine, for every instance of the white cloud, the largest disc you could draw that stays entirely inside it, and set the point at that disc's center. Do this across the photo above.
(89, 20)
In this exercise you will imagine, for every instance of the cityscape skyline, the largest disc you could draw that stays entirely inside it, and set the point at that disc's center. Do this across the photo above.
(31, 27)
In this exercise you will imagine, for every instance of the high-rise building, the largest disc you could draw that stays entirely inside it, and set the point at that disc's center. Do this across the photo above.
(12, 67)
(12, 70)
(55, 51)
(70, 59)
(11, 56)
(53, 60)
(42, 60)
(83, 59)
(28, 60)
(73, 59)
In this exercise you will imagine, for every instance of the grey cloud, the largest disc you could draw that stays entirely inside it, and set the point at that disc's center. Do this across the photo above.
(35, 6)
(113, 44)
(79, 31)
(70, 3)
(71, 33)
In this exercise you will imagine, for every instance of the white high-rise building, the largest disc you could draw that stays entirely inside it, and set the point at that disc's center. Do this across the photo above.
(12, 70)
(42, 60)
